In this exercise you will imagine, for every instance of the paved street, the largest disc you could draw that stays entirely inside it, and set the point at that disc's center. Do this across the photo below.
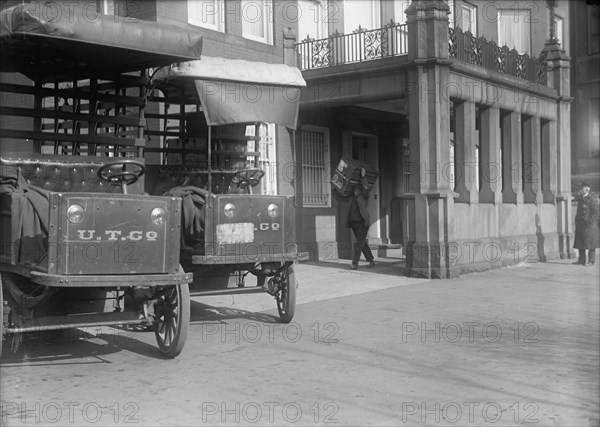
(369, 347)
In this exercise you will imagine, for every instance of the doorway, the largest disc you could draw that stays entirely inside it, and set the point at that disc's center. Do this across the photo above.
(365, 148)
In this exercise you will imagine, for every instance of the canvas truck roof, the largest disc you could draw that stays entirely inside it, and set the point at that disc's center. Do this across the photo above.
(41, 45)
(235, 91)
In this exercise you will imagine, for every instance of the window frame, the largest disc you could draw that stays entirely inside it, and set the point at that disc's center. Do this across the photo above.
(267, 21)
(559, 22)
(317, 16)
(375, 17)
(326, 166)
(219, 18)
(105, 9)
(526, 21)
(265, 144)
(473, 14)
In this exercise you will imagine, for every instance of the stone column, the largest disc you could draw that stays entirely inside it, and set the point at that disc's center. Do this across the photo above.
(531, 160)
(549, 163)
(464, 152)
(558, 75)
(491, 171)
(512, 187)
(430, 202)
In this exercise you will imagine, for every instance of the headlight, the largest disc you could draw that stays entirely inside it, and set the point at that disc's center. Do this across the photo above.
(75, 214)
(159, 216)
(229, 210)
(273, 210)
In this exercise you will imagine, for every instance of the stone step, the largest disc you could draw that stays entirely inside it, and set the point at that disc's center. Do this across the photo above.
(387, 250)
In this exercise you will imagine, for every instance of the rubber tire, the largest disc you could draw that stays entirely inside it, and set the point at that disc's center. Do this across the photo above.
(179, 335)
(286, 304)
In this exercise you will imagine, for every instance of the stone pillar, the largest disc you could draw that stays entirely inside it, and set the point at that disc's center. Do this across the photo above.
(549, 163)
(430, 200)
(512, 187)
(491, 171)
(531, 160)
(558, 75)
(464, 152)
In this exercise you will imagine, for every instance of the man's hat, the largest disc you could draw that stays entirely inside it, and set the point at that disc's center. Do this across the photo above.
(585, 184)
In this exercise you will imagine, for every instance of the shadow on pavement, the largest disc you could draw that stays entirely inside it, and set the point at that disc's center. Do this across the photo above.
(204, 312)
(54, 347)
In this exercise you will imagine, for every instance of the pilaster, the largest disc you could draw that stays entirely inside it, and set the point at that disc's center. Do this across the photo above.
(558, 75)
(531, 160)
(490, 156)
(430, 200)
(464, 153)
(512, 189)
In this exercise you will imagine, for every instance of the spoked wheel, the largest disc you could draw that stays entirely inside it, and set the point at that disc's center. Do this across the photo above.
(286, 297)
(172, 323)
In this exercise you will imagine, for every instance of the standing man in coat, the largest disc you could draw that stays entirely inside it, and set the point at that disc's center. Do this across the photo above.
(359, 221)
(587, 234)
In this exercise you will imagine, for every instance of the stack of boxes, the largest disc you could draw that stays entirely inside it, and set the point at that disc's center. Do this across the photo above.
(347, 175)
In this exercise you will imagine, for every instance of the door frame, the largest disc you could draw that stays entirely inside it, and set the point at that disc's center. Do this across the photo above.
(374, 205)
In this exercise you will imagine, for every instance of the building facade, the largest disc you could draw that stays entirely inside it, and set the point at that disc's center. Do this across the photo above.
(471, 138)
(585, 87)
(462, 106)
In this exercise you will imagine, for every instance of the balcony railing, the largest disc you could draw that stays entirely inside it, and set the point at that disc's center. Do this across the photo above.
(392, 40)
(479, 51)
(360, 46)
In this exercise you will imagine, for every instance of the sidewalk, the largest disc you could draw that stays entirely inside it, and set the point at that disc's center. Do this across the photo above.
(318, 281)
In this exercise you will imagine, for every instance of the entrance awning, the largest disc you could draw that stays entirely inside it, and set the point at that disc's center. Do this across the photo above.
(46, 39)
(235, 91)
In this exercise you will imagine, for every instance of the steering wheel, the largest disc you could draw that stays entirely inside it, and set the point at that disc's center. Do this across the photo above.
(125, 177)
(247, 177)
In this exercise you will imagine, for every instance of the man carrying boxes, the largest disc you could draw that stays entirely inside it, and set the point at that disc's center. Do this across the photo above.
(359, 221)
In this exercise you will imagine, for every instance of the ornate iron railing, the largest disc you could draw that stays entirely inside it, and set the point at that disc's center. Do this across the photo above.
(479, 51)
(362, 45)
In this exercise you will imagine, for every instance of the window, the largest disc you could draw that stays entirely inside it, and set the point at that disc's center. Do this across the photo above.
(106, 7)
(363, 13)
(257, 20)
(463, 16)
(558, 29)
(514, 30)
(316, 187)
(267, 160)
(312, 19)
(400, 7)
(401, 33)
(468, 18)
(207, 14)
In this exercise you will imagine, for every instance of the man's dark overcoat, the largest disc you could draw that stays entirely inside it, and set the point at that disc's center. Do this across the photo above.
(587, 234)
